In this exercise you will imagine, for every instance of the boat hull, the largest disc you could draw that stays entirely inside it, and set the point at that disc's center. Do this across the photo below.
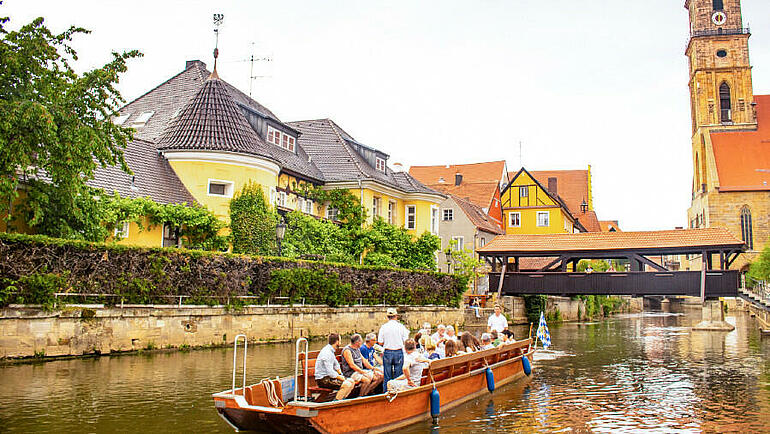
(373, 413)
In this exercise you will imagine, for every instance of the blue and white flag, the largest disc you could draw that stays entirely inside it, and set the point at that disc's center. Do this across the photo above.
(542, 332)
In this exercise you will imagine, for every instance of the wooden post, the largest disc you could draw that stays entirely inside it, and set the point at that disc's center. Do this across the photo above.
(500, 284)
(703, 279)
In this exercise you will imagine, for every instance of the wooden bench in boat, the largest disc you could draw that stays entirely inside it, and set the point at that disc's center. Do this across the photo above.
(319, 394)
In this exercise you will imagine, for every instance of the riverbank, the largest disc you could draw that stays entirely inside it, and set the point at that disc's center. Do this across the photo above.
(93, 330)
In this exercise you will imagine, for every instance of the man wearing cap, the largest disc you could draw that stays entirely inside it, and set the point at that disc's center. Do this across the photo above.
(392, 336)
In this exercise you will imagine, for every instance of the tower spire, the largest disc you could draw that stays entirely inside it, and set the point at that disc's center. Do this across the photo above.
(218, 18)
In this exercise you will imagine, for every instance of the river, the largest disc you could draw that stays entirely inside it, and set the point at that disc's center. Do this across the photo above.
(628, 373)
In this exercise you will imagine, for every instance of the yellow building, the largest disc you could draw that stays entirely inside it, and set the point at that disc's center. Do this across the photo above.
(200, 140)
(530, 208)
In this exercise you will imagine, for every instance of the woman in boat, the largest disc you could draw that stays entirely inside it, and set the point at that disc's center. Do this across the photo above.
(414, 363)
(450, 348)
(417, 341)
(467, 344)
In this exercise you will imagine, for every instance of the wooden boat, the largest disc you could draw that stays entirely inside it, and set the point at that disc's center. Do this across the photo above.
(295, 404)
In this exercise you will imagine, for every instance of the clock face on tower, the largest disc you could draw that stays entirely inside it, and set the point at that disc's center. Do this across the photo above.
(719, 18)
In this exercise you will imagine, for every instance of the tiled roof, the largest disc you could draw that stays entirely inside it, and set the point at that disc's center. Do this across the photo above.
(478, 217)
(607, 224)
(212, 121)
(487, 171)
(480, 193)
(534, 264)
(329, 148)
(604, 241)
(153, 177)
(743, 157)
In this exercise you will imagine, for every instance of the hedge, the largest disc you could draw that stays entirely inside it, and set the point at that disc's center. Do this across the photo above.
(33, 268)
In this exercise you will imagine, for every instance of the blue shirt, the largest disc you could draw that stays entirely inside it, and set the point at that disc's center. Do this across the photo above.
(368, 353)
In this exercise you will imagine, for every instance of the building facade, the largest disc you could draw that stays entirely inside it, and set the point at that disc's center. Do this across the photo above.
(730, 128)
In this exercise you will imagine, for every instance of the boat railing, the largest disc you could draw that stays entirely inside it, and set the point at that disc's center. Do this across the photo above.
(235, 360)
(297, 352)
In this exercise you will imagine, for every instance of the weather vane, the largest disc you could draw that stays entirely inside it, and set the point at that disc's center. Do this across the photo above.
(218, 18)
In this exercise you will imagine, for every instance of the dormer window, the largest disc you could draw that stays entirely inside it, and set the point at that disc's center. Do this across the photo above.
(120, 120)
(380, 164)
(143, 118)
(281, 139)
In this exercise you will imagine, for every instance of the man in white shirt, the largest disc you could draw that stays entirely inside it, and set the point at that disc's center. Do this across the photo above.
(392, 336)
(497, 321)
(439, 336)
(327, 369)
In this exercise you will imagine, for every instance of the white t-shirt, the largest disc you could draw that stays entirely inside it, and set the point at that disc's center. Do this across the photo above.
(497, 323)
(415, 367)
(392, 335)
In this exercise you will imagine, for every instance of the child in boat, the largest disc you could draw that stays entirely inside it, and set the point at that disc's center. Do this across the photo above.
(414, 363)
(450, 349)
(486, 341)
(430, 348)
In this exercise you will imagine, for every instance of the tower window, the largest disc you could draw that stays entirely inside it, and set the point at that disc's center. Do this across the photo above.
(725, 106)
(721, 53)
(747, 234)
(718, 5)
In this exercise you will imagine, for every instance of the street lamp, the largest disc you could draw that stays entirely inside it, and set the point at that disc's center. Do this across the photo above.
(280, 231)
(448, 253)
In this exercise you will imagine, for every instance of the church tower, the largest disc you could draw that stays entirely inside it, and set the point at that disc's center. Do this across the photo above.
(721, 94)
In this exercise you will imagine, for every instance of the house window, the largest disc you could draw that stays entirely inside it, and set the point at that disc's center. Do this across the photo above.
(524, 191)
(282, 198)
(380, 163)
(392, 212)
(308, 206)
(280, 139)
(566, 226)
(483, 242)
(747, 231)
(300, 204)
(121, 231)
(543, 218)
(411, 217)
(375, 207)
(725, 104)
(220, 188)
(458, 243)
(331, 213)
(448, 214)
(718, 5)
(434, 219)
(143, 118)
(514, 220)
(273, 196)
(170, 235)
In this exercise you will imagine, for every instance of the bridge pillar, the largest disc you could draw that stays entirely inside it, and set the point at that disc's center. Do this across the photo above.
(713, 317)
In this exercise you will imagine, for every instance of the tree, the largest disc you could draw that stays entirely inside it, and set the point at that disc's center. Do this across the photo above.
(252, 222)
(760, 269)
(389, 245)
(55, 124)
(465, 262)
(306, 235)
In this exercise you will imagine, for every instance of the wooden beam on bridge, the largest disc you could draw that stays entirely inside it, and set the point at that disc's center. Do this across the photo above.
(703, 278)
(552, 263)
(647, 261)
(500, 285)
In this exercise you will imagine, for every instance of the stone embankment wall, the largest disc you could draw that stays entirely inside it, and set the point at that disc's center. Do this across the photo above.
(74, 331)
(570, 309)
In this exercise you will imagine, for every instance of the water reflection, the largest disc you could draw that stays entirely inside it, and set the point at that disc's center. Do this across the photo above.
(635, 372)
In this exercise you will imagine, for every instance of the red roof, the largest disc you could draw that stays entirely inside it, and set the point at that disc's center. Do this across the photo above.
(743, 157)
(479, 182)
(609, 224)
(478, 217)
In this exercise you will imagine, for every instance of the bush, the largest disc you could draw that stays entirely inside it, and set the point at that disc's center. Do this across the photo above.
(252, 222)
(534, 304)
(160, 275)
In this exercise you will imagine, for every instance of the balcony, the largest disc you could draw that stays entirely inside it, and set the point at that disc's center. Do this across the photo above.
(720, 32)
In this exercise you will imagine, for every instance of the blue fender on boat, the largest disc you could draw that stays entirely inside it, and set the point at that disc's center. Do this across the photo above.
(490, 379)
(526, 365)
(435, 404)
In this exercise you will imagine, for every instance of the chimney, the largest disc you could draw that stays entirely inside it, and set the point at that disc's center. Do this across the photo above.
(458, 178)
(398, 167)
(552, 185)
(190, 63)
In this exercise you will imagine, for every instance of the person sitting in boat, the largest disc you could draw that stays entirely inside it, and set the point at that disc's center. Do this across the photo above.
(508, 336)
(467, 343)
(356, 367)
(450, 333)
(327, 369)
(440, 335)
(414, 363)
(496, 339)
(450, 349)
(369, 351)
(417, 339)
(486, 341)
(425, 330)
(430, 348)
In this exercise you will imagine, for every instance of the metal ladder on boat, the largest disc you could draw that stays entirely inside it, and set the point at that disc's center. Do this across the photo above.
(297, 352)
(235, 361)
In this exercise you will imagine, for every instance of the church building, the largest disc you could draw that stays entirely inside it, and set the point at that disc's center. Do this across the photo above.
(730, 128)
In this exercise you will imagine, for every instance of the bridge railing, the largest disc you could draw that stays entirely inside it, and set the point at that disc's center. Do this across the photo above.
(718, 283)
(758, 289)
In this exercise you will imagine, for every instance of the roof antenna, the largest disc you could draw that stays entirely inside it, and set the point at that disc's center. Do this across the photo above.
(218, 18)
(521, 162)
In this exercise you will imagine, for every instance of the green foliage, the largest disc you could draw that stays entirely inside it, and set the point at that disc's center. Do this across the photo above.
(34, 288)
(600, 305)
(534, 304)
(760, 268)
(313, 285)
(56, 121)
(389, 245)
(465, 262)
(306, 235)
(349, 210)
(600, 266)
(252, 222)
(554, 316)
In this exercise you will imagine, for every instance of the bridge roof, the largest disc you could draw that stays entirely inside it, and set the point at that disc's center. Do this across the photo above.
(679, 241)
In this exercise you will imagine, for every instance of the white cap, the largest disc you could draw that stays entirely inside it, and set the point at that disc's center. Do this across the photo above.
(440, 326)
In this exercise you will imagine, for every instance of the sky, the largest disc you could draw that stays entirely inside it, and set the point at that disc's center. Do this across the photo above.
(599, 82)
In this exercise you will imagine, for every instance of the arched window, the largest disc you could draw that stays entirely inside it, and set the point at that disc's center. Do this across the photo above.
(725, 106)
(718, 5)
(747, 233)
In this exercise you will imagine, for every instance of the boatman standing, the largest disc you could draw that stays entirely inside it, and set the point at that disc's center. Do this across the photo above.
(497, 321)
(392, 336)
